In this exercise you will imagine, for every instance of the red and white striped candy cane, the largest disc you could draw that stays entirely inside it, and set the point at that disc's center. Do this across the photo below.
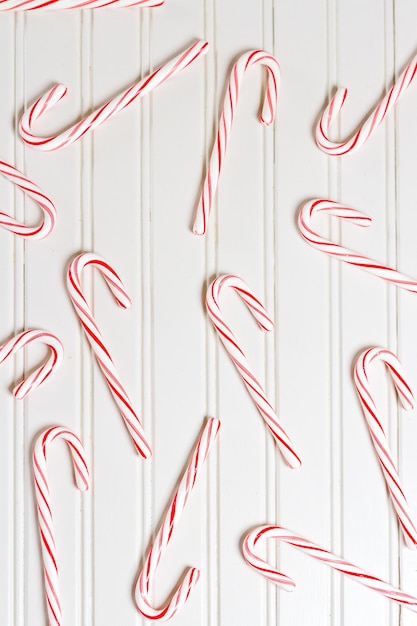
(370, 125)
(108, 110)
(34, 380)
(163, 537)
(239, 359)
(96, 340)
(43, 503)
(377, 432)
(47, 224)
(31, 5)
(246, 61)
(328, 207)
(250, 545)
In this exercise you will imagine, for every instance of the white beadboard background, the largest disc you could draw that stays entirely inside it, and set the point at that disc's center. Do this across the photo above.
(128, 192)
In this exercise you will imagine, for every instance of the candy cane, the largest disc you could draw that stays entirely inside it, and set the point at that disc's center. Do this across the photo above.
(163, 537)
(377, 433)
(370, 125)
(34, 380)
(32, 190)
(30, 5)
(95, 338)
(329, 207)
(43, 502)
(107, 111)
(226, 121)
(239, 359)
(311, 549)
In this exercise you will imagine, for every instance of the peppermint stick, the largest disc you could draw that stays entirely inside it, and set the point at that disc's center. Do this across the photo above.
(108, 110)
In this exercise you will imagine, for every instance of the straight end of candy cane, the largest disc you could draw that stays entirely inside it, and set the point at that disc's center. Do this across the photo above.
(82, 481)
(285, 444)
(143, 448)
(123, 300)
(361, 220)
(410, 539)
(145, 453)
(266, 324)
(407, 400)
(198, 231)
(283, 582)
(215, 424)
(199, 226)
(293, 460)
(195, 51)
(202, 46)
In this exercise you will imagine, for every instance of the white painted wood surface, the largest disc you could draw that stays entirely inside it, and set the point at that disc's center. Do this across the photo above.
(128, 192)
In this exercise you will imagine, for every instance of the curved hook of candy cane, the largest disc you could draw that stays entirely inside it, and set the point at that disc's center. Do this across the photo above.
(96, 340)
(43, 502)
(47, 224)
(108, 110)
(328, 207)
(250, 545)
(370, 125)
(239, 359)
(377, 432)
(163, 537)
(34, 380)
(267, 117)
(31, 5)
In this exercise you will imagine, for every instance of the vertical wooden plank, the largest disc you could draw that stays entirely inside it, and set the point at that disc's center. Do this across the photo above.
(365, 302)
(47, 305)
(303, 310)
(239, 216)
(396, 542)
(10, 528)
(146, 301)
(116, 212)
(272, 458)
(405, 49)
(86, 357)
(20, 493)
(211, 608)
(176, 270)
(334, 377)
